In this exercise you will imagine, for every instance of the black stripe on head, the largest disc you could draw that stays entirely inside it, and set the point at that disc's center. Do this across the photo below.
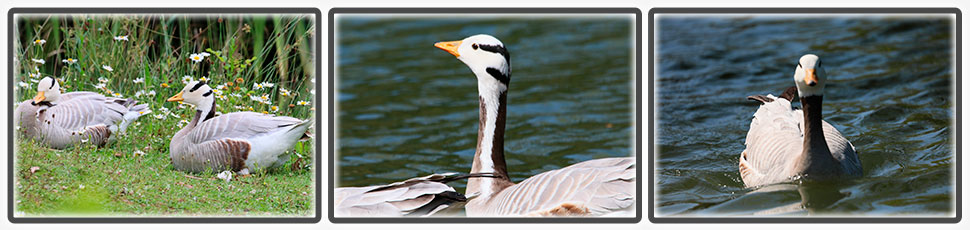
(498, 75)
(206, 94)
(496, 49)
(197, 86)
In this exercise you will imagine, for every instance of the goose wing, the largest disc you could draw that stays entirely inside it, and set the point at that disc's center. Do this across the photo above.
(240, 125)
(842, 150)
(774, 138)
(416, 196)
(594, 187)
(84, 111)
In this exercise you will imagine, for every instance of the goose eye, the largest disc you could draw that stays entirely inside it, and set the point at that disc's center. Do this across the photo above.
(474, 46)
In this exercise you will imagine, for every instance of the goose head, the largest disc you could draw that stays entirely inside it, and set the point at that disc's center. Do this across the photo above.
(485, 55)
(197, 93)
(48, 90)
(809, 76)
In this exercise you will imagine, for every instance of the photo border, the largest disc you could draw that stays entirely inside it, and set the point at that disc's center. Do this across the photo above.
(890, 219)
(490, 220)
(317, 118)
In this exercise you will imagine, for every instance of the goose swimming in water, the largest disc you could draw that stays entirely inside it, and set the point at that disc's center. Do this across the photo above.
(591, 188)
(785, 143)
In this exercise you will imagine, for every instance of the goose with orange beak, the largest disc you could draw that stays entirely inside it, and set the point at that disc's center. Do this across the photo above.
(785, 143)
(61, 120)
(589, 188)
(239, 141)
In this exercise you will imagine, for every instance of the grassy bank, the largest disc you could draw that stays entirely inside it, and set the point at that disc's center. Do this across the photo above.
(256, 63)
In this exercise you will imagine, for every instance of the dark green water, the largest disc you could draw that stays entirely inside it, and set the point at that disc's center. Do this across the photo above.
(889, 92)
(407, 109)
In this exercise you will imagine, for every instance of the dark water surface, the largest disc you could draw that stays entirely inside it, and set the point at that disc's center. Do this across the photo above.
(407, 109)
(889, 90)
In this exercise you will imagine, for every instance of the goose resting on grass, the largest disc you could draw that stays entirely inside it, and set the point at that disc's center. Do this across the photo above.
(239, 141)
(590, 188)
(785, 143)
(63, 120)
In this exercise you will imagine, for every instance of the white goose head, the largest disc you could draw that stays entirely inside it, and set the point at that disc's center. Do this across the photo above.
(197, 93)
(48, 90)
(810, 76)
(485, 55)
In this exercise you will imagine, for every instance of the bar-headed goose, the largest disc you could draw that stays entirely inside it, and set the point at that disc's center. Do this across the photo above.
(785, 143)
(591, 188)
(63, 120)
(419, 196)
(238, 141)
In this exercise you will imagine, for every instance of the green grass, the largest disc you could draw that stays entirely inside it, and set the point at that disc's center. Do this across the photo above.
(113, 180)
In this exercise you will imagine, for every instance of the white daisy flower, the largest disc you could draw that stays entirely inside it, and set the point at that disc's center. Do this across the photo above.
(257, 86)
(138, 153)
(221, 97)
(33, 75)
(267, 84)
(117, 94)
(103, 80)
(186, 79)
(121, 38)
(196, 58)
(274, 108)
(39, 42)
(304, 103)
(23, 85)
(41, 61)
(139, 93)
(152, 93)
(284, 92)
(69, 61)
(204, 54)
(203, 78)
(235, 95)
(107, 67)
(222, 86)
(217, 91)
(139, 80)
(183, 122)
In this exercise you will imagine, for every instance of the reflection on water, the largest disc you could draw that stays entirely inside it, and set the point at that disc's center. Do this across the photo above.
(406, 108)
(889, 91)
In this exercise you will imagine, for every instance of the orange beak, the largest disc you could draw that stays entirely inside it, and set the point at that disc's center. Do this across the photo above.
(451, 47)
(177, 97)
(40, 97)
(810, 78)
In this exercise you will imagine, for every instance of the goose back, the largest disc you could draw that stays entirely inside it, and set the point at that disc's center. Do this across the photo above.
(594, 187)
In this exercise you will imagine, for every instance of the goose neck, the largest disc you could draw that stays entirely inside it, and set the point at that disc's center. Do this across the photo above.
(815, 148)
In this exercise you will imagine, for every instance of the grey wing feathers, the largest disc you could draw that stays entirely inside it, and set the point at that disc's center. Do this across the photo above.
(595, 187)
(774, 137)
(242, 125)
(842, 150)
(409, 197)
